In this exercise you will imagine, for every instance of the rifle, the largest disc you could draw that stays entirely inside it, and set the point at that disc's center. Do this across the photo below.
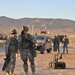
(26, 42)
(7, 60)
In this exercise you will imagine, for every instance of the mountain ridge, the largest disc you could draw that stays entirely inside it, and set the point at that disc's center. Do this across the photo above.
(39, 23)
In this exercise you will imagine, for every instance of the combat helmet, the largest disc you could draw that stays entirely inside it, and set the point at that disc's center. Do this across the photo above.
(13, 31)
(25, 28)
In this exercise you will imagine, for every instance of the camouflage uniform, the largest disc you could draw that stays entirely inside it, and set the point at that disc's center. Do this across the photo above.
(11, 47)
(26, 51)
(58, 42)
(55, 43)
(65, 44)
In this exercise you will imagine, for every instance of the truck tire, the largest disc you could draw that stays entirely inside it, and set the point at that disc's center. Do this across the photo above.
(42, 49)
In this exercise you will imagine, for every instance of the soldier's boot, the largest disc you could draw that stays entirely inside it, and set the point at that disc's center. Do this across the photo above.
(7, 73)
(61, 56)
(11, 73)
(67, 51)
(33, 69)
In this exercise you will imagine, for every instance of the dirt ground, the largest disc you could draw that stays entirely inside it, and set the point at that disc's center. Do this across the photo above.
(42, 63)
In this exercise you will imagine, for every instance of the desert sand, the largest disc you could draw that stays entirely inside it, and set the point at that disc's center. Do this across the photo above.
(42, 63)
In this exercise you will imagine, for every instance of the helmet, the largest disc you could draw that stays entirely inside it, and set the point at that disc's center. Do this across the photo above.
(13, 31)
(25, 28)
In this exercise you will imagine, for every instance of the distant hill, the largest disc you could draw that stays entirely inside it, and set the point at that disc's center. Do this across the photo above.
(63, 25)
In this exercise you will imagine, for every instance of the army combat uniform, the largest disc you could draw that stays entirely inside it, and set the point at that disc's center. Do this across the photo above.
(55, 44)
(65, 44)
(11, 48)
(26, 49)
(58, 42)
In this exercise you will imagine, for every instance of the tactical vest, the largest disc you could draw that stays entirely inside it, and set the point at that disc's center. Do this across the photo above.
(26, 42)
(13, 45)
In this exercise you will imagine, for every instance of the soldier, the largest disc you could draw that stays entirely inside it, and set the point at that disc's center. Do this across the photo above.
(65, 44)
(26, 49)
(55, 43)
(58, 42)
(11, 48)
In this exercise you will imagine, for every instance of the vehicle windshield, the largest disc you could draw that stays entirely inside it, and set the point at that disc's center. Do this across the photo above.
(40, 38)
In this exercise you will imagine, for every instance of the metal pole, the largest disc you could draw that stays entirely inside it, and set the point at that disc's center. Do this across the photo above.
(32, 29)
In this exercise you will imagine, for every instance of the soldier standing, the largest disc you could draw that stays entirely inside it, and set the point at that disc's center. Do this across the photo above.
(11, 48)
(58, 42)
(55, 43)
(65, 44)
(26, 49)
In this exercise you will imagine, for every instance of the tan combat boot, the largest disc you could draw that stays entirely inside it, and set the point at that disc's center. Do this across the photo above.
(7, 73)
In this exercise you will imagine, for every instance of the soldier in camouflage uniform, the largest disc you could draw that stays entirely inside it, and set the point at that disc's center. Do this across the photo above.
(65, 44)
(26, 48)
(58, 42)
(11, 48)
(55, 43)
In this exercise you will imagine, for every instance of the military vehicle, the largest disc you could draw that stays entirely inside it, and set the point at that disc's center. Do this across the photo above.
(3, 37)
(43, 43)
(43, 32)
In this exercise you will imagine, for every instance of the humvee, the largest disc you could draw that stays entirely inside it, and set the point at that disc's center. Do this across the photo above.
(43, 43)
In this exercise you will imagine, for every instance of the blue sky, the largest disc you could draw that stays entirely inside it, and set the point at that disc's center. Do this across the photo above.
(64, 9)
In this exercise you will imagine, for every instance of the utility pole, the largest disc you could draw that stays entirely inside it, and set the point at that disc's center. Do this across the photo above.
(32, 29)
